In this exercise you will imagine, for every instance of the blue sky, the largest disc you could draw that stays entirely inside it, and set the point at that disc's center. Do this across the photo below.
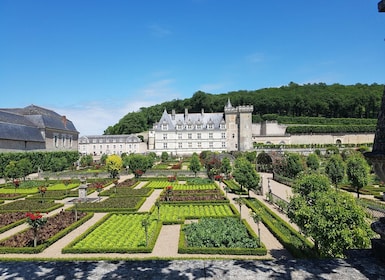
(95, 61)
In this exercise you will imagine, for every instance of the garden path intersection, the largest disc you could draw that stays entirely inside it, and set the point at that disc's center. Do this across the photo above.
(165, 263)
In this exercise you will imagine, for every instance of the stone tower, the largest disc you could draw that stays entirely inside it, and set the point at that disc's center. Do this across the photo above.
(238, 127)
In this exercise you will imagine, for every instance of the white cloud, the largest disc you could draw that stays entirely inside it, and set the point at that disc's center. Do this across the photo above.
(94, 117)
(159, 31)
(256, 57)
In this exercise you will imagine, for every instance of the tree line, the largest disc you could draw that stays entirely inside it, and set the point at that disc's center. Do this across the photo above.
(309, 100)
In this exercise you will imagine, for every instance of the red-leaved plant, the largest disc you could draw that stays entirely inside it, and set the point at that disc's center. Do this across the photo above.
(35, 221)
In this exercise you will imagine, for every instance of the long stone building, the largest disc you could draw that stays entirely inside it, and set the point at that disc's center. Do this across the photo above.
(97, 145)
(35, 128)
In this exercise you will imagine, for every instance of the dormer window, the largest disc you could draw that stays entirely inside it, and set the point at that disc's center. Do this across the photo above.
(210, 126)
(222, 126)
(199, 126)
(189, 126)
(179, 127)
(165, 126)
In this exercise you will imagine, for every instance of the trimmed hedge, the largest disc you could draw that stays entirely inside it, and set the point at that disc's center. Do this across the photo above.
(184, 249)
(147, 249)
(30, 206)
(47, 243)
(14, 224)
(235, 187)
(290, 238)
(113, 204)
(308, 129)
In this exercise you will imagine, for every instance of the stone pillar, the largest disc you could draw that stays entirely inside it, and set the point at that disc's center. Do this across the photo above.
(377, 157)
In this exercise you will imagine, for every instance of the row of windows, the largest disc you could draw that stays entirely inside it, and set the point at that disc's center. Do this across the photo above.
(105, 140)
(198, 136)
(114, 146)
(190, 145)
(191, 126)
(65, 141)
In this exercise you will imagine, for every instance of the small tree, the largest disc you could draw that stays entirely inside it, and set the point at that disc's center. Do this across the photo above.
(226, 167)
(145, 225)
(357, 172)
(114, 164)
(195, 164)
(257, 217)
(333, 219)
(245, 174)
(226, 189)
(25, 167)
(157, 205)
(35, 221)
(16, 184)
(312, 162)
(42, 191)
(99, 187)
(164, 156)
(335, 169)
(239, 202)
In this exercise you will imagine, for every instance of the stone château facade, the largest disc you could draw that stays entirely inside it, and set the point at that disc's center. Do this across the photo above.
(184, 134)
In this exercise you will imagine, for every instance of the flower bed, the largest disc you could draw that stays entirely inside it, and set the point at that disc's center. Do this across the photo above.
(220, 236)
(117, 233)
(55, 228)
(30, 206)
(10, 220)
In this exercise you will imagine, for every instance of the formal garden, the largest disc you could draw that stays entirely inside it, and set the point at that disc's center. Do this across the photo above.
(207, 208)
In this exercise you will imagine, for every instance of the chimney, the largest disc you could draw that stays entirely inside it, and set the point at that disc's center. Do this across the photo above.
(185, 113)
(173, 114)
(202, 111)
(64, 121)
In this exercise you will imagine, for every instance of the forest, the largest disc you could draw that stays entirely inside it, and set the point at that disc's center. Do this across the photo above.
(359, 101)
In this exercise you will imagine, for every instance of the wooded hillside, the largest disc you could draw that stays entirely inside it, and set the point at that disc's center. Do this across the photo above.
(293, 100)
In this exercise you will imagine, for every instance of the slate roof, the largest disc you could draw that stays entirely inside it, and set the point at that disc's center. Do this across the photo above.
(25, 124)
(190, 118)
(41, 118)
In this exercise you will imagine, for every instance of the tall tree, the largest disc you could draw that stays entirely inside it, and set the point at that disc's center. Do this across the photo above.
(357, 170)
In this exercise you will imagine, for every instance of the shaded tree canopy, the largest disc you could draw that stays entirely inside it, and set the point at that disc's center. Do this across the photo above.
(309, 100)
